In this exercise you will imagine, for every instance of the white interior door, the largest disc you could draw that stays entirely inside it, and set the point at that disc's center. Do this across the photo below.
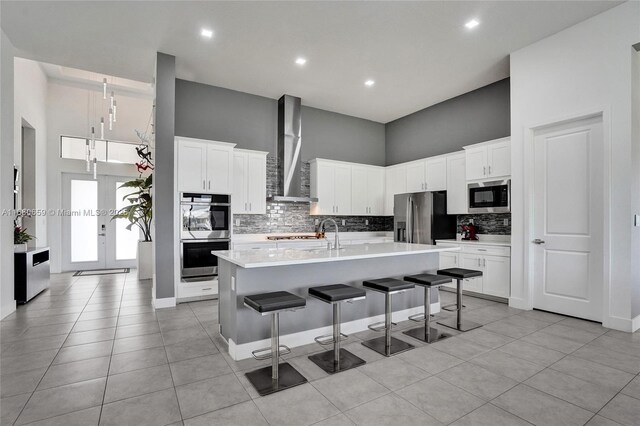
(568, 219)
(90, 239)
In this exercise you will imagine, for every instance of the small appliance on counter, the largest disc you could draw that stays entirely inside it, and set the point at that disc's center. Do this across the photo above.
(469, 232)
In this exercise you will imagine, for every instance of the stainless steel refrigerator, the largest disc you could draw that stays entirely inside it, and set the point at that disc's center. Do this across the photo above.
(421, 218)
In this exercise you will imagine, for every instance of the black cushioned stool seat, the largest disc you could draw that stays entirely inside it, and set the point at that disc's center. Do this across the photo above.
(429, 280)
(459, 274)
(278, 376)
(387, 285)
(338, 359)
(426, 333)
(274, 301)
(336, 292)
(387, 345)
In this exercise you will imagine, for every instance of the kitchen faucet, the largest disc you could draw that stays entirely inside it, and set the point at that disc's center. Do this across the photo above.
(336, 244)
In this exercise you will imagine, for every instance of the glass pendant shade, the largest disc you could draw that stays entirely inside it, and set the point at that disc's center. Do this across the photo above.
(104, 88)
(110, 118)
(115, 111)
(112, 98)
(95, 168)
(102, 128)
(87, 156)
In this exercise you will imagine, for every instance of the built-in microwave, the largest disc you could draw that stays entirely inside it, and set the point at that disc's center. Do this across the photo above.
(490, 197)
(205, 216)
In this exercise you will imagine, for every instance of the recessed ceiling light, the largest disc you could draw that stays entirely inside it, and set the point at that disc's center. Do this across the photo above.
(206, 33)
(301, 61)
(472, 24)
(369, 83)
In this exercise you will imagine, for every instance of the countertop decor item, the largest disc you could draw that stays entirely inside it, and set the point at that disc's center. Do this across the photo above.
(20, 239)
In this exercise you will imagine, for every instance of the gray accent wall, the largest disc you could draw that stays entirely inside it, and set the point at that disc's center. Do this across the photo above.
(250, 121)
(163, 185)
(477, 116)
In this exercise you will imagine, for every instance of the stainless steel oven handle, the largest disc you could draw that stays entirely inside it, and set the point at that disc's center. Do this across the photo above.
(189, 203)
(217, 240)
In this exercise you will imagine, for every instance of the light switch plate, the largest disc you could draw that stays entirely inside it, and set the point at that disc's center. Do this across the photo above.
(344, 222)
(505, 222)
(316, 222)
(366, 222)
(237, 222)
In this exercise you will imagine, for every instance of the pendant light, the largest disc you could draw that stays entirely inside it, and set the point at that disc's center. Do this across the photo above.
(112, 97)
(104, 88)
(115, 111)
(93, 139)
(95, 168)
(102, 128)
(87, 156)
(110, 118)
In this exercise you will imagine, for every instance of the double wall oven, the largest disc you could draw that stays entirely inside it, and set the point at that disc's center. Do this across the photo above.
(205, 226)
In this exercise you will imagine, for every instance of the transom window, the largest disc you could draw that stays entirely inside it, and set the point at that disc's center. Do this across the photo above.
(74, 148)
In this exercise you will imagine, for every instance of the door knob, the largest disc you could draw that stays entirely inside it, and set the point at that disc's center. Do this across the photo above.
(538, 241)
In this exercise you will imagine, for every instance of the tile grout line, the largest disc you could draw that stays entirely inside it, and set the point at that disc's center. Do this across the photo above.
(57, 353)
(106, 381)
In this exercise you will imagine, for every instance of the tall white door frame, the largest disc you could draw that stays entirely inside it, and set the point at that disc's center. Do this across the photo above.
(528, 265)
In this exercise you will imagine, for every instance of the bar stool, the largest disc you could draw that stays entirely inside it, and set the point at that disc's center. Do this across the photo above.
(387, 345)
(338, 359)
(459, 274)
(278, 376)
(427, 333)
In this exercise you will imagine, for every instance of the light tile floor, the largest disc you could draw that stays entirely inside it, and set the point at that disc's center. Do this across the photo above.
(92, 350)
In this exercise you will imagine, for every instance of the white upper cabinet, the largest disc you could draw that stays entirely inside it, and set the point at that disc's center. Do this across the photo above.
(192, 166)
(249, 182)
(457, 196)
(416, 176)
(488, 160)
(499, 159)
(331, 185)
(204, 166)
(436, 174)
(367, 190)
(396, 183)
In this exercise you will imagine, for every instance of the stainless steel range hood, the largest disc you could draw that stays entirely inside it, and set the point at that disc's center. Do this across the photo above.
(289, 188)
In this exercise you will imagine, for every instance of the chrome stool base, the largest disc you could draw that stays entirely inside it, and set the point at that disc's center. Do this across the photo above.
(346, 360)
(430, 336)
(463, 325)
(379, 344)
(262, 380)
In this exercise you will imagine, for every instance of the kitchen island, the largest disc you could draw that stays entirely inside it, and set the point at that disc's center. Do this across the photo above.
(245, 272)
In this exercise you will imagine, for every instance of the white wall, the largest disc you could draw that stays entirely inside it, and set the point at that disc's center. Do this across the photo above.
(30, 95)
(635, 195)
(584, 68)
(68, 115)
(7, 302)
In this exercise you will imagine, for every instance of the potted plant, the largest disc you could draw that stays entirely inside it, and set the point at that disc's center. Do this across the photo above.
(20, 239)
(139, 213)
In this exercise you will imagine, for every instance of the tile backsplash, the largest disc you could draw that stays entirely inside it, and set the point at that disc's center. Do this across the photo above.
(489, 223)
(294, 217)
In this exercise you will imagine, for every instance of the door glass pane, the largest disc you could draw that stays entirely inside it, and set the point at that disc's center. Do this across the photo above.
(126, 240)
(84, 221)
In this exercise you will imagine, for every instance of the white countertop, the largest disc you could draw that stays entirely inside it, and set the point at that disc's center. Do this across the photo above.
(259, 258)
(504, 241)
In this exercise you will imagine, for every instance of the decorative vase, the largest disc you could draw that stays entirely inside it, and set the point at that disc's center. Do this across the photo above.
(145, 260)
(20, 248)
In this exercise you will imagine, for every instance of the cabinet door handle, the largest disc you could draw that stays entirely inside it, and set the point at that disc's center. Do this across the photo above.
(479, 262)
(249, 206)
(484, 170)
(489, 169)
(337, 209)
(245, 206)
(426, 185)
(209, 184)
(203, 185)
(484, 262)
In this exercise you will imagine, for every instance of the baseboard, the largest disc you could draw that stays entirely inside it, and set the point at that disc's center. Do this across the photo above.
(165, 302)
(518, 303)
(622, 324)
(243, 351)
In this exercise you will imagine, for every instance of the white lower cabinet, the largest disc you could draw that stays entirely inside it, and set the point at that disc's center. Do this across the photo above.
(493, 261)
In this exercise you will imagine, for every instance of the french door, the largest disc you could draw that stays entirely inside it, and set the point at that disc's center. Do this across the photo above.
(568, 219)
(90, 239)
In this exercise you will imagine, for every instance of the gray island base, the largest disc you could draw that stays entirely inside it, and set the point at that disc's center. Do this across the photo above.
(245, 272)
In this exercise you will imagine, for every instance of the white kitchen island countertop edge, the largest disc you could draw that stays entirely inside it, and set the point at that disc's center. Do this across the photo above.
(261, 258)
